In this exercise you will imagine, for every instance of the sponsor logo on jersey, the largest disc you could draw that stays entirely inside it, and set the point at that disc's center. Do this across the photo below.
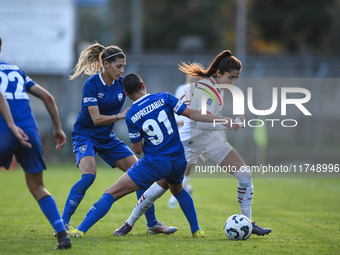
(100, 95)
(89, 99)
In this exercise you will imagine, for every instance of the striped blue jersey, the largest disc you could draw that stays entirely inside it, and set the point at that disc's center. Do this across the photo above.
(152, 117)
(14, 84)
(109, 100)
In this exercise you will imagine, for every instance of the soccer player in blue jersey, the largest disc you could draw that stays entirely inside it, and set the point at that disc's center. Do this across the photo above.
(102, 100)
(151, 118)
(224, 69)
(23, 141)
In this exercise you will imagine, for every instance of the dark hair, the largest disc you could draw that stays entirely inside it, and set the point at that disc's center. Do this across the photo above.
(224, 62)
(91, 59)
(0, 41)
(132, 83)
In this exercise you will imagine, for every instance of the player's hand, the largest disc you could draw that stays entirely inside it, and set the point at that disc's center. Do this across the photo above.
(123, 113)
(231, 124)
(240, 121)
(60, 137)
(21, 136)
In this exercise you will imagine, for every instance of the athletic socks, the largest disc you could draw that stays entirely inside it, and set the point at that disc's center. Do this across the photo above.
(149, 214)
(145, 203)
(97, 211)
(244, 190)
(185, 181)
(77, 193)
(50, 209)
(187, 205)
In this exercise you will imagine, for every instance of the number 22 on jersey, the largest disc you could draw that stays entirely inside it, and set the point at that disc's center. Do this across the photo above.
(19, 82)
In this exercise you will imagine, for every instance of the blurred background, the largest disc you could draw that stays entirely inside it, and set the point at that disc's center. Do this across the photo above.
(283, 43)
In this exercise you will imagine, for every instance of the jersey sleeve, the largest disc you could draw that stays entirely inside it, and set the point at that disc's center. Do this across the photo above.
(89, 94)
(134, 132)
(177, 105)
(28, 81)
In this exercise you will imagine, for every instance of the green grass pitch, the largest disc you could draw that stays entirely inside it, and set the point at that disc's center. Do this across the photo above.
(304, 215)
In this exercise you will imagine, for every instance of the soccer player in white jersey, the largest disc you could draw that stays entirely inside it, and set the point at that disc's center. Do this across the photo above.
(224, 69)
(152, 130)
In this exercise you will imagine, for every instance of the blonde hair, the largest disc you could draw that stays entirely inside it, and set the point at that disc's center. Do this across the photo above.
(90, 60)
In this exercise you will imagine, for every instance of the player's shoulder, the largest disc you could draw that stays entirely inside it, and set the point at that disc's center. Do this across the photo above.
(93, 81)
(4, 66)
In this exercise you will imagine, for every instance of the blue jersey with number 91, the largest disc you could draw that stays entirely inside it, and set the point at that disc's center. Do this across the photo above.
(152, 117)
(14, 84)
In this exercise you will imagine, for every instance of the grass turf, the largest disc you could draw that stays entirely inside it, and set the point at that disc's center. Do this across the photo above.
(303, 214)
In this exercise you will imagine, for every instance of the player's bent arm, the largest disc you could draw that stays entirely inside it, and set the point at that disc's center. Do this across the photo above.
(198, 116)
(49, 102)
(100, 119)
(6, 113)
(210, 126)
(137, 147)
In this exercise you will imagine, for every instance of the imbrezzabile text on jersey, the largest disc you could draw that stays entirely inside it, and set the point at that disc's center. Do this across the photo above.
(14, 84)
(109, 100)
(152, 117)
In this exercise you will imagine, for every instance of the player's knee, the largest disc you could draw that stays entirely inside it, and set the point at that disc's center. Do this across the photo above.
(243, 176)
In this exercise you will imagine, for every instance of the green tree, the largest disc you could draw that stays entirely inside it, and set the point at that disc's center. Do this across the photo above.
(293, 23)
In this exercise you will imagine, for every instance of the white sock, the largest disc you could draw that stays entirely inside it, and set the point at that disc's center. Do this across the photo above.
(145, 202)
(185, 181)
(245, 190)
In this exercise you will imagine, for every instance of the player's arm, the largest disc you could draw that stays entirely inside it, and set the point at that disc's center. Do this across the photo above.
(137, 147)
(100, 119)
(198, 116)
(48, 100)
(6, 113)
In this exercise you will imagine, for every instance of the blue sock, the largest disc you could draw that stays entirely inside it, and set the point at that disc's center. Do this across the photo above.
(187, 205)
(97, 211)
(77, 193)
(150, 213)
(50, 209)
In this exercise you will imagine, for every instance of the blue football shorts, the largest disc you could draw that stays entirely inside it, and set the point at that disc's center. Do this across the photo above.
(110, 150)
(30, 159)
(144, 173)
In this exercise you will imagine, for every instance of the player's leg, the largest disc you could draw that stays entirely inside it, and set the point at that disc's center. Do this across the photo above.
(124, 164)
(144, 173)
(144, 203)
(49, 207)
(85, 154)
(245, 189)
(187, 205)
(174, 179)
(122, 187)
(87, 167)
(172, 200)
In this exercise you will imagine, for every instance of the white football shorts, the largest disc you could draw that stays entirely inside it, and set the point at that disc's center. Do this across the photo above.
(209, 146)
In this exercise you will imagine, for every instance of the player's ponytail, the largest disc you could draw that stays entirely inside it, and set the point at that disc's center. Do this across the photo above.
(224, 62)
(91, 59)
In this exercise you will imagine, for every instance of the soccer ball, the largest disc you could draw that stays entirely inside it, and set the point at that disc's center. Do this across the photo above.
(238, 227)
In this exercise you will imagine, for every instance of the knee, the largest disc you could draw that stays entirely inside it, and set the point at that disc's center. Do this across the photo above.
(243, 176)
(38, 191)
